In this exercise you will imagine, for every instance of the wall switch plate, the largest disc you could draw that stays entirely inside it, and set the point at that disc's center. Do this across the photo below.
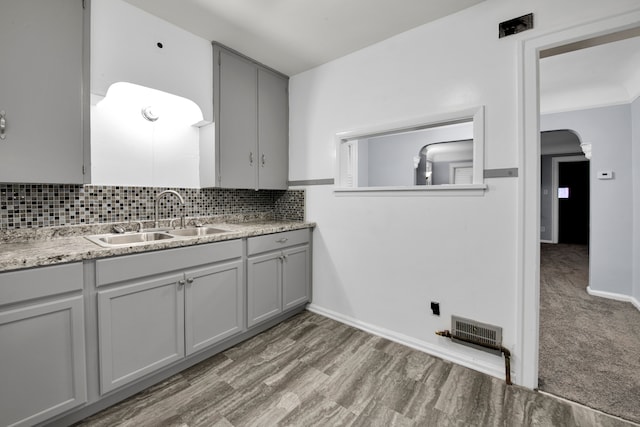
(605, 174)
(435, 308)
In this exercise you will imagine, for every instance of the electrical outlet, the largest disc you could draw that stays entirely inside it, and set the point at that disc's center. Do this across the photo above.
(435, 308)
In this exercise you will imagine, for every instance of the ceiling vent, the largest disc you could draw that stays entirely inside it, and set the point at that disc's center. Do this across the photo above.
(515, 25)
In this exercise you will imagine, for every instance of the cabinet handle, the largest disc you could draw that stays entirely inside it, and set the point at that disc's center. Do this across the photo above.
(262, 159)
(181, 282)
(3, 124)
(250, 158)
(190, 280)
(283, 240)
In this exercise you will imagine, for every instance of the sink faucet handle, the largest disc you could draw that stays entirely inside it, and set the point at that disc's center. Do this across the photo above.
(197, 223)
(118, 229)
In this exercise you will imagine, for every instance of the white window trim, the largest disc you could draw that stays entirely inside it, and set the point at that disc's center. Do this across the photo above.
(476, 114)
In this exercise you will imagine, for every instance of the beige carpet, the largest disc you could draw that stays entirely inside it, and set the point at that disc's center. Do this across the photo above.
(589, 346)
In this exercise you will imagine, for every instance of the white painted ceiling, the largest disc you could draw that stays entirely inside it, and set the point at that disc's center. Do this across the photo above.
(292, 36)
(608, 74)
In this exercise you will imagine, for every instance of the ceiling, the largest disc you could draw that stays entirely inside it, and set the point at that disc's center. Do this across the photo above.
(293, 36)
(606, 74)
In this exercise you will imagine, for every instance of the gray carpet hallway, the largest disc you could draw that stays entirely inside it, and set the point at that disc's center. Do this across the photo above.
(314, 371)
(589, 346)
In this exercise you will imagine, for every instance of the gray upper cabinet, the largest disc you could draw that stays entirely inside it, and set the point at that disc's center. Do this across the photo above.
(252, 123)
(42, 344)
(237, 121)
(41, 79)
(273, 130)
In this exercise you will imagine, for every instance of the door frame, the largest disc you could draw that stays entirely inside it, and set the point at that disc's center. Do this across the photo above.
(528, 225)
(555, 178)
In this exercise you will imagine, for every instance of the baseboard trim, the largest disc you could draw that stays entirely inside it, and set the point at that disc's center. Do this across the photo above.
(546, 241)
(442, 353)
(614, 296)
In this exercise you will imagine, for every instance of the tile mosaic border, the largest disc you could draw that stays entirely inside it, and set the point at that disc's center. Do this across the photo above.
(50, 205)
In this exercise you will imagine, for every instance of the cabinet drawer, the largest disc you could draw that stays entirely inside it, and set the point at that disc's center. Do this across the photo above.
(23, 285)
(113, 270)
(277, 241)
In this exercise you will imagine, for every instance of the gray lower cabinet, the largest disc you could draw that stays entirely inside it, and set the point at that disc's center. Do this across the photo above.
(264, 287)
(214, 305)
(295, 277)
(42, 345)
(148, 321)
(278, 274)
(141, 329)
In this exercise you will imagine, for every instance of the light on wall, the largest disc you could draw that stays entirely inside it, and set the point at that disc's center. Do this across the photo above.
(586, 149)
(149, 113)
(130, 100)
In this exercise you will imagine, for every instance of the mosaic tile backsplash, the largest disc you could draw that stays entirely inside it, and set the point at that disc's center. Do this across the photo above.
(48, 205)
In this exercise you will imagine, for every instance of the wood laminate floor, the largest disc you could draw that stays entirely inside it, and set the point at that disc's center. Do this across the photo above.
(314, 371)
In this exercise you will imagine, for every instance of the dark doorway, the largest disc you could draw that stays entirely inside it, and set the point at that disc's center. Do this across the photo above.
(573, 202)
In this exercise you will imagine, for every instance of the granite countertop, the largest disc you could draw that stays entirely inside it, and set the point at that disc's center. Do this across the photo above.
(41, 247)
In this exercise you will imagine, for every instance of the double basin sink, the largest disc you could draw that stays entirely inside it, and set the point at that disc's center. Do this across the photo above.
(128, 239)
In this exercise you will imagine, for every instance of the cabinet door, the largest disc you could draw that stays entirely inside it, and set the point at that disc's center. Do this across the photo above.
(214, 304)
(264, 287)
(41, 91)
(273, 130)
(296, 287)
(140, 329)
(237, 126)
(42, 354)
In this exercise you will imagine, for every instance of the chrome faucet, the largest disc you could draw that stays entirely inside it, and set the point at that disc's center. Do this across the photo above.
(162, 193)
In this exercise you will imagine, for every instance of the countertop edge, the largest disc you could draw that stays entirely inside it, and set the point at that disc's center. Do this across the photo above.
(24, 255)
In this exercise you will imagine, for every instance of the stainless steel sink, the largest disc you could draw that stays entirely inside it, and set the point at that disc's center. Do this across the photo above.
(109, 240)
(197, 231)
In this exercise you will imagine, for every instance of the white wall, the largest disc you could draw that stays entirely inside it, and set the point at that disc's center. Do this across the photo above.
(176, 79)
(126, 149)
(378, 260)
(608, 129)
(124, 49)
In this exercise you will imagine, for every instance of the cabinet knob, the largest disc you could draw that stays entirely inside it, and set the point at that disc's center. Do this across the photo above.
(190, 280)
(3, 124)
(181, 282)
